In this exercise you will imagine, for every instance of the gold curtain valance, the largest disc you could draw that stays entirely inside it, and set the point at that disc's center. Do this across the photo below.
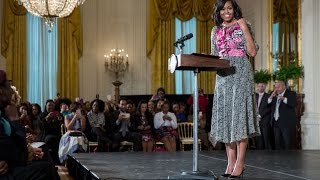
(285, 11)
(17, 9)
(161, 36)
(166, 10)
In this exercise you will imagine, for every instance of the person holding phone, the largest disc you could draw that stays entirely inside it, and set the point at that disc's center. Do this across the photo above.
(165, 123)
(74, 139)
(124, 127)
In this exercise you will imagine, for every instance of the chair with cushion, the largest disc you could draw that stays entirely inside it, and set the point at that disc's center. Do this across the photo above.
(124, 144)
(185, 131)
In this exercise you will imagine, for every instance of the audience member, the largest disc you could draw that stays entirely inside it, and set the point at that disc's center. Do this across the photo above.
(181, 116)
(264, 114)
(124, 127)
(51, 130)
(165, 123)
(14, 152)
(97, 121)
(202, 100)
(74, 139)
(151, 107)
(283, 103)
(160, 94)
(144, 124)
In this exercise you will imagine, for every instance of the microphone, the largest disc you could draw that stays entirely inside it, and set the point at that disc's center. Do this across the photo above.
(183, 38)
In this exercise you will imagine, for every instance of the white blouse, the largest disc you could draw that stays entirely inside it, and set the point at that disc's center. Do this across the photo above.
(158, 120)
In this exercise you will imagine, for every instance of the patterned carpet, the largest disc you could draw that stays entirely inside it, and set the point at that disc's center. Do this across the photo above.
(63, 173)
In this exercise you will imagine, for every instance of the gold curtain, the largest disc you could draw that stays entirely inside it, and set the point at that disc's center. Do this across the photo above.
(13, 44)
(161, 36)
(203, 11)
(69, 52)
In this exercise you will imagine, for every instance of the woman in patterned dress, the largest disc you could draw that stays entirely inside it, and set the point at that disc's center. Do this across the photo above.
(233, 112)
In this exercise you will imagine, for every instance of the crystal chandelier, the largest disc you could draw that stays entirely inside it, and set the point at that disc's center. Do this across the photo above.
(50, 9)
(116, 61)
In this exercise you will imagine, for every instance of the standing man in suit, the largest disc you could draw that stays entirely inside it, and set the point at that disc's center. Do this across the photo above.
(264, 114)
(283, 103)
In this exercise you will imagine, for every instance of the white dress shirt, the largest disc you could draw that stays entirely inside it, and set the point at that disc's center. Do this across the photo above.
(158, 120)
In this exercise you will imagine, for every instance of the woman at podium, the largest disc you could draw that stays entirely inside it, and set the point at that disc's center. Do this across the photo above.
(233, 113)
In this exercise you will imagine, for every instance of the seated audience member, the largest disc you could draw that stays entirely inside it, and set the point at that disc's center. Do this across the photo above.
(52, 121)
(64, 109)
(159, 105)
(124, 128)
(24, 118)
(74, 139)
(202, 100)
(108, 113)
(202, 134)
(87, 106)
(14, 151)
(144, 124)
(181, 116)
(160, 94)
(151, 107)
(36, 124)
(165, 123)
(130, 107)
(97, 121)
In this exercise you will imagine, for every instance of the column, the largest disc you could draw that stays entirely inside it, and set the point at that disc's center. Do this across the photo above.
(310, 122)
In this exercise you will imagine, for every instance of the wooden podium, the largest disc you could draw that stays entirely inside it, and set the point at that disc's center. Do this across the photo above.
(196, 63)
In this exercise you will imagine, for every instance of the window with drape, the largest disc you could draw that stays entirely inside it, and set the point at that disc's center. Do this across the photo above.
(184, 79)
(42, 58)
(276, 41)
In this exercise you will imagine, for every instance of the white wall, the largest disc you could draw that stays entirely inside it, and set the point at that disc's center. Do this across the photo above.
(2, 60)
(109, 24)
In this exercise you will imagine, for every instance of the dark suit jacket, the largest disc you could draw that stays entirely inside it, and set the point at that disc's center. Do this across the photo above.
(288, 117)
(264, 110)
(13, 148)
(116, 128)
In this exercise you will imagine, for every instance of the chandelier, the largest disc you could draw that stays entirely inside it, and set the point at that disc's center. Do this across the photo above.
(116, 61)
(50, 9)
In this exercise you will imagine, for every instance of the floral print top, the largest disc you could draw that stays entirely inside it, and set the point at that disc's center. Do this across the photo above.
(230, 41)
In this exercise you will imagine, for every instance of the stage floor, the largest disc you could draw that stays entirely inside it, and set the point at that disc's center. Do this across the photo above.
(260, 165)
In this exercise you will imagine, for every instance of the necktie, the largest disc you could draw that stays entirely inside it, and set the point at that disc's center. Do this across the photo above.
(123, 129)
(259, 100)
(276, 113)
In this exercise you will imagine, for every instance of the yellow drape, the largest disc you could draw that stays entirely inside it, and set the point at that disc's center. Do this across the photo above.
(203, 12)
(69, 52)
(13, 44)
(161, 36)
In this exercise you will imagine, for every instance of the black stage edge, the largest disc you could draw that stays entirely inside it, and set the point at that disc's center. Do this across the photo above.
(260, 165)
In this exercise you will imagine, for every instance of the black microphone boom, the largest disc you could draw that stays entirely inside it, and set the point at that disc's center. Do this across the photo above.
(183, 38)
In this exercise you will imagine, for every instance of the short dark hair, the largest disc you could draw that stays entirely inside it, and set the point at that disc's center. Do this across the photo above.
(216, 17)
(161, 89)
(100, 104)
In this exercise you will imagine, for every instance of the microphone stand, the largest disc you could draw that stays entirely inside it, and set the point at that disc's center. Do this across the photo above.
(195, 174)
